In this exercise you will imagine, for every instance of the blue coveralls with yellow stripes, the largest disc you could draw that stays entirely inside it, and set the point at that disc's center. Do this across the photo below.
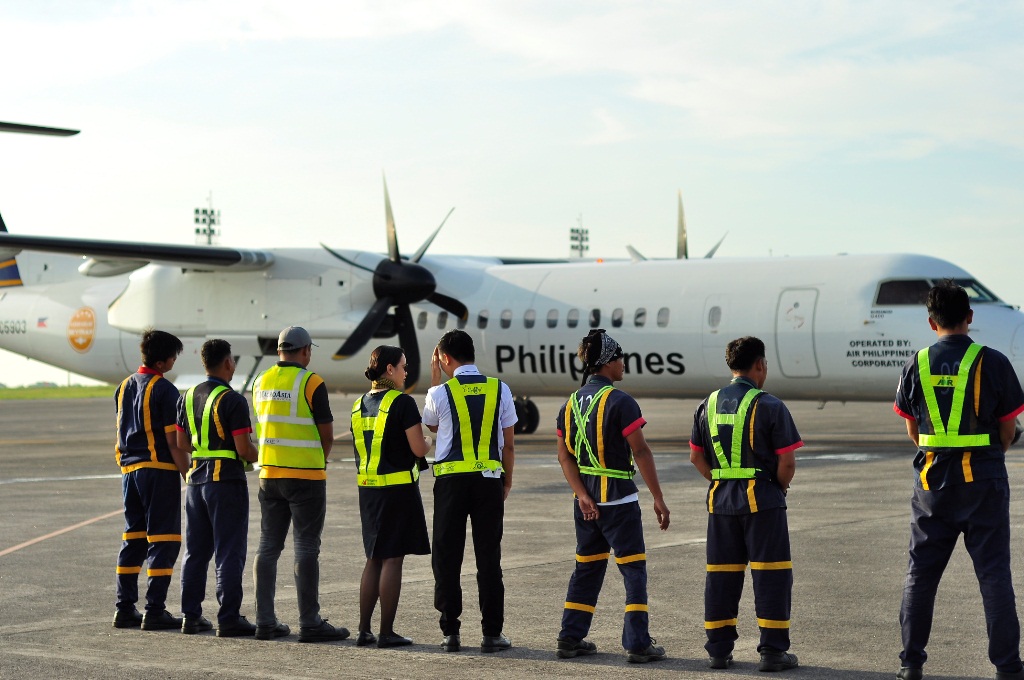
(594, 423)
(150, 485)
(958, 392)
(746, 513)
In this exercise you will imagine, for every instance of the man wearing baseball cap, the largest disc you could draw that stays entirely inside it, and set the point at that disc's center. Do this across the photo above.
(295, 429)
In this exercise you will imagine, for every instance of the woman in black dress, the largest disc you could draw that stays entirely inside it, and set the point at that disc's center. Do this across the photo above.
(390, 445)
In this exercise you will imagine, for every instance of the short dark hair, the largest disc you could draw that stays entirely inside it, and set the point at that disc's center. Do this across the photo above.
(158, 346)
(948, 304)
(742, 353)
(214, 352)
(382, 357)
(458, 345)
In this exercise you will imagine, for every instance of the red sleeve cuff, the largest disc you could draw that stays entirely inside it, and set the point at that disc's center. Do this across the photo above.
(244, 430)
(694, 447)
(179, 427)
(910, 417)
(789, 449)
(1014, 414)
(634, 426)
(560, 434)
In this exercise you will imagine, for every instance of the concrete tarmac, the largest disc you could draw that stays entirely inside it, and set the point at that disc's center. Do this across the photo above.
(60, 507)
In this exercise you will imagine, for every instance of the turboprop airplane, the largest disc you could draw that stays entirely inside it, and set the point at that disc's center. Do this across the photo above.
(837, 328)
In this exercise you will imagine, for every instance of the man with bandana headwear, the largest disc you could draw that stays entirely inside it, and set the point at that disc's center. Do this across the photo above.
(600, 437)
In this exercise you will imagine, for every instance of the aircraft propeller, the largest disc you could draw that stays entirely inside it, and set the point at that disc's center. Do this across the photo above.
(398, 283)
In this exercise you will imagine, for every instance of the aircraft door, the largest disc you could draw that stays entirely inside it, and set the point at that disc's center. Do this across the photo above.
(794, 333)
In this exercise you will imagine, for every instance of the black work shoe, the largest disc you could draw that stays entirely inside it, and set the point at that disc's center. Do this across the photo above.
(495, 643)
(127, 618)
(392, 640)
(324, 632)
(240, 628)
(451, 643)
(720, 661)
(772, 661)
(365, 639)
(160, 620)
(1009, 675)
(652, 653)
(191, 626)
(908, 673)
(569, 648)
(275, 631)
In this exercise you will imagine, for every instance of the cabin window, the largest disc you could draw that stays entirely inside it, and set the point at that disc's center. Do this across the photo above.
(662, 317)
(640, 317)
(506, 318)
(595, 318)
(529, 318)
(442, 320)
(909, 292)
(421, 320)
(714, 317)
(553, 318)
(617, 317)
(572, 319)
(481, 318)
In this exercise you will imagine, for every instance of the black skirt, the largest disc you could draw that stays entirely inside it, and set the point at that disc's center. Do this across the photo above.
(393, 521)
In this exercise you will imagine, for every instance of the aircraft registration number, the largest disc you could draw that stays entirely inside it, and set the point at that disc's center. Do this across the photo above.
(13, 326)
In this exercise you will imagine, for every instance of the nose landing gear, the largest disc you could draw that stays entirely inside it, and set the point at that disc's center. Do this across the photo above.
(529, 416)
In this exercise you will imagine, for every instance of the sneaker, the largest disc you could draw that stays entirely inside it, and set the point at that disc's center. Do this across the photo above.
(569, 648)
(908, 673)
(652, 653)
(127, 618)
(451, 643)
(160, 619)
(720, 661)
(495, 643)
(191, 626)
(772, 661)
(240, 628)
(391, 640)
(275, 631)
(323, 632)
(365, 639)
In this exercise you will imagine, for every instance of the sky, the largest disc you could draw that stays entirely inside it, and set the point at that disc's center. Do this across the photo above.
(795, 127)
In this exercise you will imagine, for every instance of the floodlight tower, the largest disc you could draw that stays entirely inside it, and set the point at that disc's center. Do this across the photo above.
(207, 222)
(579, 239)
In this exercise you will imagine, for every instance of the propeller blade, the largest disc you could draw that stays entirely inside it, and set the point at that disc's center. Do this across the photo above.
(393, 253)
(37, 130)
(449, 304)
(711, 253)
(407, 341)
(366, 328)
(426, 244)
(346, 260)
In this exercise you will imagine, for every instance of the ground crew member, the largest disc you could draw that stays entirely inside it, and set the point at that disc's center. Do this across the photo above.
(152, 467)
(743, 442)
(960, 400)
(214, 426)
(600, 436)
(295, 428)
(474, 417)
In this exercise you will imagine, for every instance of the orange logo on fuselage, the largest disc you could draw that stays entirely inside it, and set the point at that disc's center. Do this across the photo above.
(82, 329)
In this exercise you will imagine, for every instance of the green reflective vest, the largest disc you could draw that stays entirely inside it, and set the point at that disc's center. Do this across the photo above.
(288, 436)
(947, 435)
(368, 463)
(591, 465)
(201, 434)
(468, 455)
(731, 466)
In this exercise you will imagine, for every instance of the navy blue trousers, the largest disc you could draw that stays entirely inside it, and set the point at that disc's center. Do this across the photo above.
(218, 525)
(152, 530)
(617, 528)
(981, 512)
(762, 539)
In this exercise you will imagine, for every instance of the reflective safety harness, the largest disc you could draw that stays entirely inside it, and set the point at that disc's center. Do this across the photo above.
(581, 442)
(947, 436)
(201, 434)
(730, 467)
(288, 435)
(369, 465)
(475, 455)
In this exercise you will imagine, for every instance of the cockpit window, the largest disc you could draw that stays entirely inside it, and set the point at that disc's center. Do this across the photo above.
(911, 292)
(976, 291)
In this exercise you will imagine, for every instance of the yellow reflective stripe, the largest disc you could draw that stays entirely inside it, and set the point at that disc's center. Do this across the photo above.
(390, 479)
(727, 567)
(273, 472)
(216, 470)
(125, 469)
(491, 392)
(639, 557)
(131, 536)
(600, 443)
(147, 418)
(159, 572)
(965, 462)
(769, 566)
(929, 457)
(567, 416)
(751, 499)
(753, 416)
(636, 607)
(129, 570)
(771, 623)
(977, 386)
(593, 558)
(711, 497)
(580, 607)
(164, 538)
(722, 623)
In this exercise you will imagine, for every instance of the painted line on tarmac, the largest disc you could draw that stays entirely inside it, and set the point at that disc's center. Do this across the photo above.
(23, 480)
(15, 548)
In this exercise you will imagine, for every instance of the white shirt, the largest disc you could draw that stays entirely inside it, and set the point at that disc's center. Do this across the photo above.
(437, 413)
